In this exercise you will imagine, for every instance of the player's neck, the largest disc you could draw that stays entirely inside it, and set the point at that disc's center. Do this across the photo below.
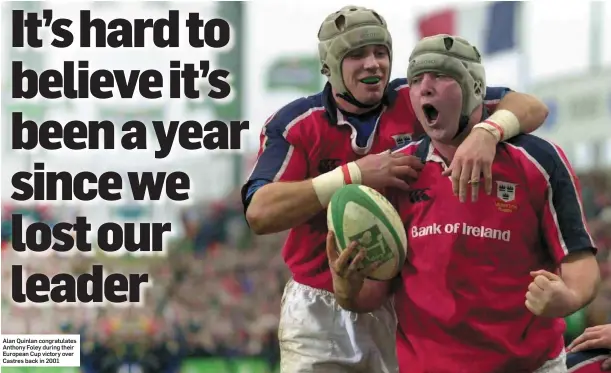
(447, 150)
(350, 108)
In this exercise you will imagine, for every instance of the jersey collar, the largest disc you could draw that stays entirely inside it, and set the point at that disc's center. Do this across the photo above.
(335, 116)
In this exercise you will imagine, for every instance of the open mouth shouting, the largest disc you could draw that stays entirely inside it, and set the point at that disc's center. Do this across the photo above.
(431, 114)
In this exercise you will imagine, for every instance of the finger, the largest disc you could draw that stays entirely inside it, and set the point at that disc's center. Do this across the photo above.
(331, 248)
(596, 328)
(455, 178)
(606, 365)
(356, 262)
(542, 282)
(371, 269)
(488, 179)
(589, 345)
(465, 176)
(342, 262)
(531, 307)
(475, 176)
(404, 172)
(550, 276)
(415, 163)
(399, 184)
(532, 298)
(410, 161)
(580, 339)
(535, 289)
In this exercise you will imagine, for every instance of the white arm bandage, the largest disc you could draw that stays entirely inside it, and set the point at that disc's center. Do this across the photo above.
(503, 124)
(328, 183)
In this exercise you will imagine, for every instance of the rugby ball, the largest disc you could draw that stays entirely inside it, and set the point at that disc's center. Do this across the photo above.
(359, 213)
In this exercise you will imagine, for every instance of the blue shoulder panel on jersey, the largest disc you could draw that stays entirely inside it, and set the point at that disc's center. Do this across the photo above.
(276, 147)
(565, 198)
(423, 149)
(396, 83)
(391, 90)
(496, 93)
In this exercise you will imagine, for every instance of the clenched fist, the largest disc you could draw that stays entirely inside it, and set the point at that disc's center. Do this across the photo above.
(548, 295)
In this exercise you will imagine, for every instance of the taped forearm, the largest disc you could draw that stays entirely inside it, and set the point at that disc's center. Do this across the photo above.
(502, 124)
(516, 113)
(279, 206)
(327, 184)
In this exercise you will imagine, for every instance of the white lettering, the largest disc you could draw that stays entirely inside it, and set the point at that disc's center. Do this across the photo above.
(426, 230)
(461, 228)
(485, 232)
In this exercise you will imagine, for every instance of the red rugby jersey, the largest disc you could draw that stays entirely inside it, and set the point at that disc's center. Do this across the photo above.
(460, 302)
(309, 137)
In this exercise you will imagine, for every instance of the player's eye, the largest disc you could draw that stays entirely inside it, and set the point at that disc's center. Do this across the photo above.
(359, 53)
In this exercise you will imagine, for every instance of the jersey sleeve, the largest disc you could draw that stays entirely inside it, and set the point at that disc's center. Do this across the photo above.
(494, 95)
(564, 221)
(281, 156)
(562, 217)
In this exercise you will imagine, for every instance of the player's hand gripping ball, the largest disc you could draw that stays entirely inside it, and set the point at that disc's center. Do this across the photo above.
(361, 214)
(347, 269)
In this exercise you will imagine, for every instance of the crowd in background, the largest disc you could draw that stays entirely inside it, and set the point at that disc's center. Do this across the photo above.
(216, 293)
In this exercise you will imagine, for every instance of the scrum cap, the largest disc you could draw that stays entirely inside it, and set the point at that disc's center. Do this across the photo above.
(455, 57)
(346, 30)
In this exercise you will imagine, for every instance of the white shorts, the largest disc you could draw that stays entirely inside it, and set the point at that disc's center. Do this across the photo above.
(557, 365)
(317, 335)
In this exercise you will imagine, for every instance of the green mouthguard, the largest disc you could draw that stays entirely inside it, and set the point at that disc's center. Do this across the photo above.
(370, 80)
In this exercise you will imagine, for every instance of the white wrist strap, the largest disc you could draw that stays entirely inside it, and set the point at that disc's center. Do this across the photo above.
(328, 183)
(503, 124)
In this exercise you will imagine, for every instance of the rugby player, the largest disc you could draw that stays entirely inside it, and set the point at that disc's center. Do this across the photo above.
(352, 123)
(485, 285)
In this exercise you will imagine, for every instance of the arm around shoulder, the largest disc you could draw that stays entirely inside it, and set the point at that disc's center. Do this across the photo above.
(278, 194)
(530, 112)
(512, 113)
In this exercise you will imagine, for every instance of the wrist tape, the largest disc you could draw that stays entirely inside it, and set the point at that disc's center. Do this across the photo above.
(503, 124)
(328, 183)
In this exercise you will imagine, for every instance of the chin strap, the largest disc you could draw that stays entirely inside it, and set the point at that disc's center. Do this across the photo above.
(462, 125)
(350, 99)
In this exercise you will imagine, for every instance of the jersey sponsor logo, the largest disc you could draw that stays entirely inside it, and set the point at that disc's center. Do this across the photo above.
(436, 229)
(326, 165)
(506, 195)
(418, 195)
(402, 139)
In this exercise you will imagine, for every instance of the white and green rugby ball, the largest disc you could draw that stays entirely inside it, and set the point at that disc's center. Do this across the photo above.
(359, 213)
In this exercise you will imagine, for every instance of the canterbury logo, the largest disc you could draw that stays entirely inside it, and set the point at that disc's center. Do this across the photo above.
(418, 195)
(326, 165)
